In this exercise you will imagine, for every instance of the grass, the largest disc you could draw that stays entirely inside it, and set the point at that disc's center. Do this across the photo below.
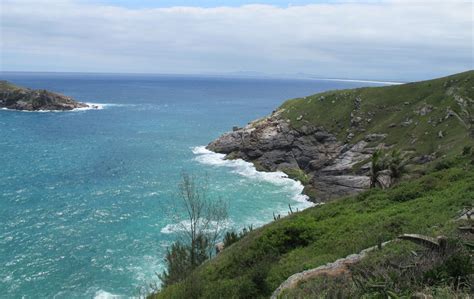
(399, 270)
(7, 86)
(385, 109)
(296, 174)
(254, 266)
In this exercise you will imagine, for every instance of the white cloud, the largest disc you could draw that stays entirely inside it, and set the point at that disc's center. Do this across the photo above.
(391, 39)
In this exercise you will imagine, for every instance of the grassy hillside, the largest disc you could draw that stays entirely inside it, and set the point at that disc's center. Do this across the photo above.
(412, 115)
(256, 265)
(431, 117)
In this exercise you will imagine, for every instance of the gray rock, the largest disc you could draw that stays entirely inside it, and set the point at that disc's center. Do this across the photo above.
(424, 110)
(375, 137)
(423, 159)
(272, 144)
(407, 122)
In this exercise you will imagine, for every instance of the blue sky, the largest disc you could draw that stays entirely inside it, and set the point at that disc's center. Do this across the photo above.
(386, 40)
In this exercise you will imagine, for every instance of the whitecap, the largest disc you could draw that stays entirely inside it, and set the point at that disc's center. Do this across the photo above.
(101, 294)
(185, 225)
(91, 106)
(248, 170)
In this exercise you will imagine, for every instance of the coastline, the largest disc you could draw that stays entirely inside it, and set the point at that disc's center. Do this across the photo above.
(248, 170)
(91, 106)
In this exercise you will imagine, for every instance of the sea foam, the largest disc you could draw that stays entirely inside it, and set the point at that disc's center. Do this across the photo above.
(248, 170)
(92, 106)
(101, 294)
(185, 225)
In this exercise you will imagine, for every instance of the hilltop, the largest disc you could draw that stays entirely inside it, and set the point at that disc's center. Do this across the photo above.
(327, 140)
(21, 98)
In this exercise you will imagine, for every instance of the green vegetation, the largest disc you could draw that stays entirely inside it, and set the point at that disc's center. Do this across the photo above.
(424, 117)
(231, 237)
(297, 174)
(433, 118)
(7, 86)
(254, 266)
(200, 231)
(392, 164)
(399, 270)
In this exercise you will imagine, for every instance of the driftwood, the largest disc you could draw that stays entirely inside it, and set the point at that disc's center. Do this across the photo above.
(438, 243)
(336, 268)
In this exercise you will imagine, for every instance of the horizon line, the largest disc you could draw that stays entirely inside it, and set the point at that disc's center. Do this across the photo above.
(235, 74)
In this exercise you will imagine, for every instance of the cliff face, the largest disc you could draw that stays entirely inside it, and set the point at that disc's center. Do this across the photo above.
(329, 138)
(19, 98)
(272, 144)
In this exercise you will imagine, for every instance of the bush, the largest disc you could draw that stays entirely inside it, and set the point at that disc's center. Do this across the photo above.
(444, 164)
(406, 192)
(232, 237)
(467, 150)
(454, 271)
(177, 262)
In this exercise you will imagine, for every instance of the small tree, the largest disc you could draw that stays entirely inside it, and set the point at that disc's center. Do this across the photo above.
(397, 164)
(203, 225)
(378, 164)
(177, 262)
(392, 164)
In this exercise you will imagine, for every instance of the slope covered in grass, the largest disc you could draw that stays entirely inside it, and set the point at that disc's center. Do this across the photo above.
(254, 266)
(425, 117)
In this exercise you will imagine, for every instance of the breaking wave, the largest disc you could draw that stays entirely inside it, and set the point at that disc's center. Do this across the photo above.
(248, 170)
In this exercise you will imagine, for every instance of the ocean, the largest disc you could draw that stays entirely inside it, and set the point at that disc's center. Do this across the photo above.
(85, 195)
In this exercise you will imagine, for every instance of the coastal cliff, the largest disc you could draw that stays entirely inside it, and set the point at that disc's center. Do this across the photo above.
(312, 154)
(327, 140)
(20, 98)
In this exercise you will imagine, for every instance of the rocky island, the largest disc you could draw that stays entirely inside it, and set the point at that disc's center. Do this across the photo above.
(20, 98)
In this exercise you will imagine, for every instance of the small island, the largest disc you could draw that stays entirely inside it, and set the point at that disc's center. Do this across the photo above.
(20, 98)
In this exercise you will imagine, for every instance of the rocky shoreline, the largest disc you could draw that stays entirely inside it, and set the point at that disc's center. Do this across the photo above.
(19, 98)
(332, 168)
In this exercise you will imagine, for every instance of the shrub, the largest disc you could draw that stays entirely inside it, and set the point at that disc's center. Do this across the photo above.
(406, 192)
(455, 271)
(467, 150)
(232, 237)
(444, 164)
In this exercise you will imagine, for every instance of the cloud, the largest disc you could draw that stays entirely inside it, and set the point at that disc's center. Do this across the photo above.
(396, 39)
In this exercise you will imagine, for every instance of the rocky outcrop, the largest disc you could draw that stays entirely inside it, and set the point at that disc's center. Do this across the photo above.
(19, 98)
(335, 168)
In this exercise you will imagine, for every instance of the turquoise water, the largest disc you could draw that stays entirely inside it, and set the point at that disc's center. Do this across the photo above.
(85, 195)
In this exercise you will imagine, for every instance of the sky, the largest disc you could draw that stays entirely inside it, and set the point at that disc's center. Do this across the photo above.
(379, 40)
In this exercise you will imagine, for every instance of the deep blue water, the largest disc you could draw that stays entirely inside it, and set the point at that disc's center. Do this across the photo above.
(84, 196)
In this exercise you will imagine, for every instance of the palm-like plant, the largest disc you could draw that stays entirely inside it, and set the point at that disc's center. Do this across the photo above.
(397, 163)
(378, 165)
(393, 164)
